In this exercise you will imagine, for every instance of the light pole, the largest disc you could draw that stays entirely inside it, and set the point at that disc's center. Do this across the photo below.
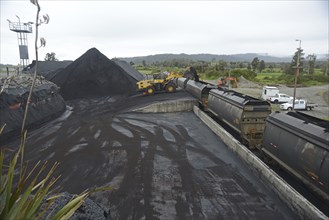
(297, 73)
(21, 29)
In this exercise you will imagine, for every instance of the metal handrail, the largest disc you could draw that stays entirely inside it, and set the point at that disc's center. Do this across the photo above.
(20, 27)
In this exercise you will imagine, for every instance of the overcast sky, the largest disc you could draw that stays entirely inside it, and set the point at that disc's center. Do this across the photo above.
(138, 28)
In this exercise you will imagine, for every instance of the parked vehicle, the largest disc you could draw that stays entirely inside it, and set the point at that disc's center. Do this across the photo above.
(227, 82)
(269, 91)
(280, 98)
(300, 104)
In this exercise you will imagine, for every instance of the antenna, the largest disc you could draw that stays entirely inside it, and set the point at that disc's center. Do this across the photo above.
(22, 29)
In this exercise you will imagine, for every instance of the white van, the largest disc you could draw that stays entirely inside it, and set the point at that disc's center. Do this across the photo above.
(269, 91)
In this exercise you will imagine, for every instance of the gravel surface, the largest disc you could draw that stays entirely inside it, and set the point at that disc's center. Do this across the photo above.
(313, 94)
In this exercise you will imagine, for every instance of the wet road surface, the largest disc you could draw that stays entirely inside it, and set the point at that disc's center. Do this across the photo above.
(162, 166)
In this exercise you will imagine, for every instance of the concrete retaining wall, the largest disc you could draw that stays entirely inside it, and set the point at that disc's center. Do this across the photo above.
(292, 198)
(179, 105)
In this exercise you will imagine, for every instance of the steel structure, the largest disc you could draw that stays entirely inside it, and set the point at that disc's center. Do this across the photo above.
(22, 29)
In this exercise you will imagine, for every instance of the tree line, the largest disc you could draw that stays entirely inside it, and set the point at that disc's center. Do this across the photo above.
(216, 69)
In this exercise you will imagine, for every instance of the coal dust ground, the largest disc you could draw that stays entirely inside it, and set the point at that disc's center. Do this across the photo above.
(161, 166)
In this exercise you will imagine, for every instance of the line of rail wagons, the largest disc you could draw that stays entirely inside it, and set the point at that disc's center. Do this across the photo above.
(296, 141)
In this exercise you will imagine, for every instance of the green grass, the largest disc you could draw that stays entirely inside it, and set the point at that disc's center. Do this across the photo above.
(279, 78)
(268, 78)
(266, 74)
(146, 71)
(312, 83)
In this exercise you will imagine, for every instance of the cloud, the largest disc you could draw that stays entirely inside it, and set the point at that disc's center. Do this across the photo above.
(135, 28)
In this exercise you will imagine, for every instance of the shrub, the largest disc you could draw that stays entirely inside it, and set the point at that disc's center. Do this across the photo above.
(248, 74)
(212, 74)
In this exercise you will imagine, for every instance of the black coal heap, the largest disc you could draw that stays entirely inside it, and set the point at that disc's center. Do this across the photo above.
(94, 75)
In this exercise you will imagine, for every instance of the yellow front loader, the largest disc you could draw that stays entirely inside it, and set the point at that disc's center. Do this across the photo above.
(150, 86)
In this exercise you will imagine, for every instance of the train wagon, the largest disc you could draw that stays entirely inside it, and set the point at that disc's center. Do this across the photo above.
(199, 90)
(245, 114)
(300, 144)
(181, 82)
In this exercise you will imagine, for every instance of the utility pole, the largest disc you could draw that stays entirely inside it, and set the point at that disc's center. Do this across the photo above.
(297, 73)
(229, 77)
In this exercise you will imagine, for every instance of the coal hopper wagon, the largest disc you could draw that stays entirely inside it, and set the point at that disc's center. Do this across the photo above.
(245, 114)
(199, 90)
(300, 143)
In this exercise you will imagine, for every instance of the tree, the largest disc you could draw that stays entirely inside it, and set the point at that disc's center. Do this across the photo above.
(293, 65)
(51, 57)
(261, 66)
(144, 63)
(221, 65)
(311, 63)
(233, 65)
(254, 64)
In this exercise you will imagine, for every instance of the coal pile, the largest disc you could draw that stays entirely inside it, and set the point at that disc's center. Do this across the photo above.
(94, 75)
(47, 68)
(88, 210)
(46, 103)
(129, 69)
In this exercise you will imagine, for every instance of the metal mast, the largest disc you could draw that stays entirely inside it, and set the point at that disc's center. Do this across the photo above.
(297, 73)
(22, 29)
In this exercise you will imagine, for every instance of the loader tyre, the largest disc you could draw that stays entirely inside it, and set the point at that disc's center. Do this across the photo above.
(170, 88)
(150, 90)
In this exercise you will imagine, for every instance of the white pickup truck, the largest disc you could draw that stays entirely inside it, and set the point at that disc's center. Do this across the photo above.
(280, 98)
(300, 104)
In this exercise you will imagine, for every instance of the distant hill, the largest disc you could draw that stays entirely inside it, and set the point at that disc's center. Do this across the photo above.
(248, 57)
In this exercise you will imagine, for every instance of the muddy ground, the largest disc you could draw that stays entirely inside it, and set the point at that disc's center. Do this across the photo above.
(161, 166)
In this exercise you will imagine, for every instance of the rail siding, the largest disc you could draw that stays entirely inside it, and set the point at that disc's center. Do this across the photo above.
(290, 196)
